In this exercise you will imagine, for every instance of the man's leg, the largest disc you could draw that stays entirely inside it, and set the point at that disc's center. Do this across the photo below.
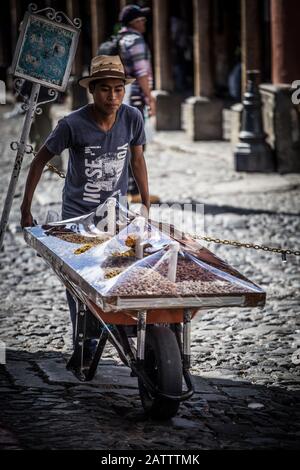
(72, 308)
(93, 327)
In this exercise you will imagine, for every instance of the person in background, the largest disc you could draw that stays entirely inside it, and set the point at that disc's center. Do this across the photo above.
(234, 82)
(136, 57)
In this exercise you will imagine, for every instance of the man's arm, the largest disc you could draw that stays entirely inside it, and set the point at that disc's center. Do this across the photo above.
(140, 61)
(150, 100)
(139, 170)
(34, 175)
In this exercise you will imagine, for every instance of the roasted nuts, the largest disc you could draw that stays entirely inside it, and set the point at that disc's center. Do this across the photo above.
(142, 282)
(83, 248)
(77, 238)
(131, 240)
(124, 254)
(112, 272)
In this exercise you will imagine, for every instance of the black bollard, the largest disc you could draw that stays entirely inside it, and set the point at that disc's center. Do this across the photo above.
(252, 153)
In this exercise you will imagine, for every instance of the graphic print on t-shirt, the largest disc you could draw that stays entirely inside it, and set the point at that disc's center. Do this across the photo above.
(102, 170)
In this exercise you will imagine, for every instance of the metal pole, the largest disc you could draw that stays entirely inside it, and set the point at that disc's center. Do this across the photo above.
(19, 159)
(141, 334)
(187, 316)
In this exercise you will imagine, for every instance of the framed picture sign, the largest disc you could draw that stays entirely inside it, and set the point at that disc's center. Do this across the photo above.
(45, 51)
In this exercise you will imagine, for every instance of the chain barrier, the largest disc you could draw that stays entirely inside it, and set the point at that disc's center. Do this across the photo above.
(50, 167)
(254, 246)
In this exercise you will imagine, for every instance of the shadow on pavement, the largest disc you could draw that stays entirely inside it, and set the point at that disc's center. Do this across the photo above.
(45, 407)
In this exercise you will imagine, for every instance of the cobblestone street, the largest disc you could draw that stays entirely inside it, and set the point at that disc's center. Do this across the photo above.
(245, 362)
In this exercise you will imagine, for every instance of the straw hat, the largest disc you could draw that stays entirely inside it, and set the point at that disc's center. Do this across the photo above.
(105, 66)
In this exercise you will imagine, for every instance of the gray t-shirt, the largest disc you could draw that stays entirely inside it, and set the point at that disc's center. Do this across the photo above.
(98, 161)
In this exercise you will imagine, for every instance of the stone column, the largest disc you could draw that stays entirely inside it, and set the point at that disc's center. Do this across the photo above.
(250, 38)
(167, 103)
(251, 57)
(203, 113)
(79, 94)
(282, 124)
(97, 24)
(123, 3)
(281, 114)
(203, 80)
(5, 42)
(285, 21)
(162, 58)
(15, 20)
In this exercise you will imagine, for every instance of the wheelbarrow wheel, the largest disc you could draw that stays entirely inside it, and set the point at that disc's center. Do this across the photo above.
(163, 366)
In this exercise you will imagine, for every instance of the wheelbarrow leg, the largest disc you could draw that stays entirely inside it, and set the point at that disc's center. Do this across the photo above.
(187, 316)
(141, 335)
(177, 329)
(186, 359)
(98, 353)
(127, 343)
(75, 363)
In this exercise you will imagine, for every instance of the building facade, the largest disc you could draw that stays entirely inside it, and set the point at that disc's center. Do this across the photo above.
(201, 52)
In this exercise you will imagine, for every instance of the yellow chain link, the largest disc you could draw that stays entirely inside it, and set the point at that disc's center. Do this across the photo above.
(52, 168)
(254, 246)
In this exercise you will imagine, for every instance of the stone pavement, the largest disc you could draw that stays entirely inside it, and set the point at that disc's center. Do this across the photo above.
(245, 362)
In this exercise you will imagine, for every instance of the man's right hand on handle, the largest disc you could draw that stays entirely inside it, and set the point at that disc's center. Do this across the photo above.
(26, 219)
(152, 106)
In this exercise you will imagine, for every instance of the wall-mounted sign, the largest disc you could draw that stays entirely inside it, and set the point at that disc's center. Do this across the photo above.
(45, 52)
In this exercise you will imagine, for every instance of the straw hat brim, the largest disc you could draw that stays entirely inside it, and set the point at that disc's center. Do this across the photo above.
(85, 81)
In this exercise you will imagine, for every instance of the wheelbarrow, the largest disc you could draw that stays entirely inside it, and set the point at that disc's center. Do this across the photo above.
(150, 332)
(159, 358)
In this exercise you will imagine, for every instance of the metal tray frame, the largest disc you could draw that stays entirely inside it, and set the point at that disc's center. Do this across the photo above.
(64, 270)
